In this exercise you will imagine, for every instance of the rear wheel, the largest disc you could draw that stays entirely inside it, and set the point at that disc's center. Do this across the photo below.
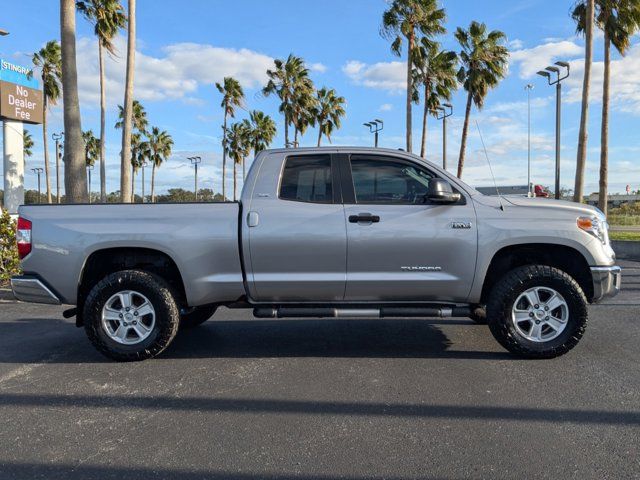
(131, 315)
(192, 317)
(537, 312)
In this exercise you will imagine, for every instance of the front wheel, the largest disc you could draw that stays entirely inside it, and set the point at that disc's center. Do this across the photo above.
(537, 311)
(131, 315)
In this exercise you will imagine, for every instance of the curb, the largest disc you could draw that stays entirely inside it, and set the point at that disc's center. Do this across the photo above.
(626, 249)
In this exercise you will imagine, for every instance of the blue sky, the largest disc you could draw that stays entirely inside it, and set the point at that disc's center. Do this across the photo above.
(183, 51)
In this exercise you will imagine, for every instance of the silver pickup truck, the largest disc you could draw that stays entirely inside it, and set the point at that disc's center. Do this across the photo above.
(323, 232)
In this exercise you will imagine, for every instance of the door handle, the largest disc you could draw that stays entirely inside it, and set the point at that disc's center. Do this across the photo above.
(364, 217)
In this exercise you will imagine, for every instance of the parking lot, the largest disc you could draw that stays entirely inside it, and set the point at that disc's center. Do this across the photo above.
(241, 398)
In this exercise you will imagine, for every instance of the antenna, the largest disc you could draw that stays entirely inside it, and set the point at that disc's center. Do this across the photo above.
(490, 168)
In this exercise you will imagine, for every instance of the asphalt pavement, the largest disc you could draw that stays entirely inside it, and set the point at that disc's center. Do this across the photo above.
(244, 399)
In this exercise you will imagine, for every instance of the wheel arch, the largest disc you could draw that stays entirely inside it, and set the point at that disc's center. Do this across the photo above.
(563, 257)
(103, 262)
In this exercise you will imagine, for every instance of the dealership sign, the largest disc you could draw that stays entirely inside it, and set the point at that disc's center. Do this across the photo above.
(20, 96)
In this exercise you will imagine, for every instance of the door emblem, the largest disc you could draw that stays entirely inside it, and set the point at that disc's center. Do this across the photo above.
(421, 268)
(460, 224)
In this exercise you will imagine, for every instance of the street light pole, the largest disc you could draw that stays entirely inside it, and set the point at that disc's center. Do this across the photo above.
(443, 115)
(89, 168)
(528, 88)
(375, 126)
(57, 137)
(547, 73)
(38, 171)
(195, 161)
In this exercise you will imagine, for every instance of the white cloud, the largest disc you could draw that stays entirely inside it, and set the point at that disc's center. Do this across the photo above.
(318, 67)
(175, 75)
(531, 60)
(391, 76)
(385, 107)
(515, 44)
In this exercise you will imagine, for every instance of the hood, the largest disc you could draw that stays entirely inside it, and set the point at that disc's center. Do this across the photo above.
(578, 208)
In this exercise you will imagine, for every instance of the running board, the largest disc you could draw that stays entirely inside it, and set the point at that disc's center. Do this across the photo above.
(346, 312)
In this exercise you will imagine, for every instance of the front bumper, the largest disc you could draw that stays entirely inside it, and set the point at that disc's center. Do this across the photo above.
(606, 282)
(27, 288)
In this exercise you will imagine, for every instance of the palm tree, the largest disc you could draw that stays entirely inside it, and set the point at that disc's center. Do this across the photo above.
(262, 129)
(619, 20)
(107, 17)
(580, 14)
(232, 97)
(27, 145)
(137, 160)
(328, 112)
(125, 161)
(49, 60)
(238, 144)
(75, 177)
(157, 148)
(139, 120)
(405, 18)
(436, 72)
(302, 108)
(91, 148)
(484, 63)
(290, 81)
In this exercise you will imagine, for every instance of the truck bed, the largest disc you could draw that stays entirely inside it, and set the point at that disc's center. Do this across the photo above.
(201, 239)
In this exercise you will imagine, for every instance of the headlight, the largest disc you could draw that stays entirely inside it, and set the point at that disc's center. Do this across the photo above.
(595, 226)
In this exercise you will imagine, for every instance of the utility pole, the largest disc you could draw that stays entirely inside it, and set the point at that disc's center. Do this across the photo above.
(89, 168)
(38, 171)
(442, 113)
(547, 73)
(375, 126)
(195, 161)
(57, 137)
(528, 88)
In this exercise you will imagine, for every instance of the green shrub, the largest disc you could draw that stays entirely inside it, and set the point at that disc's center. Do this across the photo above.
(9, 263)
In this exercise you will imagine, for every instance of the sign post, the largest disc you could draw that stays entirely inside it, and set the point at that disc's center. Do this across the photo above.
(20, 102)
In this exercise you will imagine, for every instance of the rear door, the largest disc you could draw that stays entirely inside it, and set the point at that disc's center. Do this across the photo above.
(297, 233)
(401, 248)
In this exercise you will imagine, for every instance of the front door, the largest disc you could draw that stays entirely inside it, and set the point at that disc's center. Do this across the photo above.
(401, 248)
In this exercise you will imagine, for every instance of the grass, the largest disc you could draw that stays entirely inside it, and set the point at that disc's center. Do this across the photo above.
(623, 220)
(629, 236)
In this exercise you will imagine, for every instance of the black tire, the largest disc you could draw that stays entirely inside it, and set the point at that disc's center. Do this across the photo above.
(512, 285)
(479, 314)
(156, 290)
(192, 317)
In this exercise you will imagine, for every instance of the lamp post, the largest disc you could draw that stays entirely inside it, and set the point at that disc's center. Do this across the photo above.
(291, 144)
(57, 137)
(442, 113)
(38, 171)
(374, 127)
(89, 168)
(548, 73)
(195, 161)
(528, 88)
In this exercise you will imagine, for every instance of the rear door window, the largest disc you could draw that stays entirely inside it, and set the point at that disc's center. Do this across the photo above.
(307, 179)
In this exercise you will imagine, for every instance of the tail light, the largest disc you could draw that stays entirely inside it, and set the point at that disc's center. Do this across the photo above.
(23, 237)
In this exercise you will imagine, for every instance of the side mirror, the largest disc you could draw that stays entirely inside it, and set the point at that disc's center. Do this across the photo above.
(440, 191)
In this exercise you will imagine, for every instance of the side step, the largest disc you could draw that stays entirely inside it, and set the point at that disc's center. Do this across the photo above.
(346, 312)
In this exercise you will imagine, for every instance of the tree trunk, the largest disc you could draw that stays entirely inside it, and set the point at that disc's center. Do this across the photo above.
(224, 156)
(319, 134)
(465, 131)
(234, 180)
(153, 183)
(75, 175)
(604, 135)
(244, 174)
(411, 40)
(103, 108)
(423, 148)
(295, 137)
(286, 131)
(578, 191)
(46, 148)
(125, 193)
